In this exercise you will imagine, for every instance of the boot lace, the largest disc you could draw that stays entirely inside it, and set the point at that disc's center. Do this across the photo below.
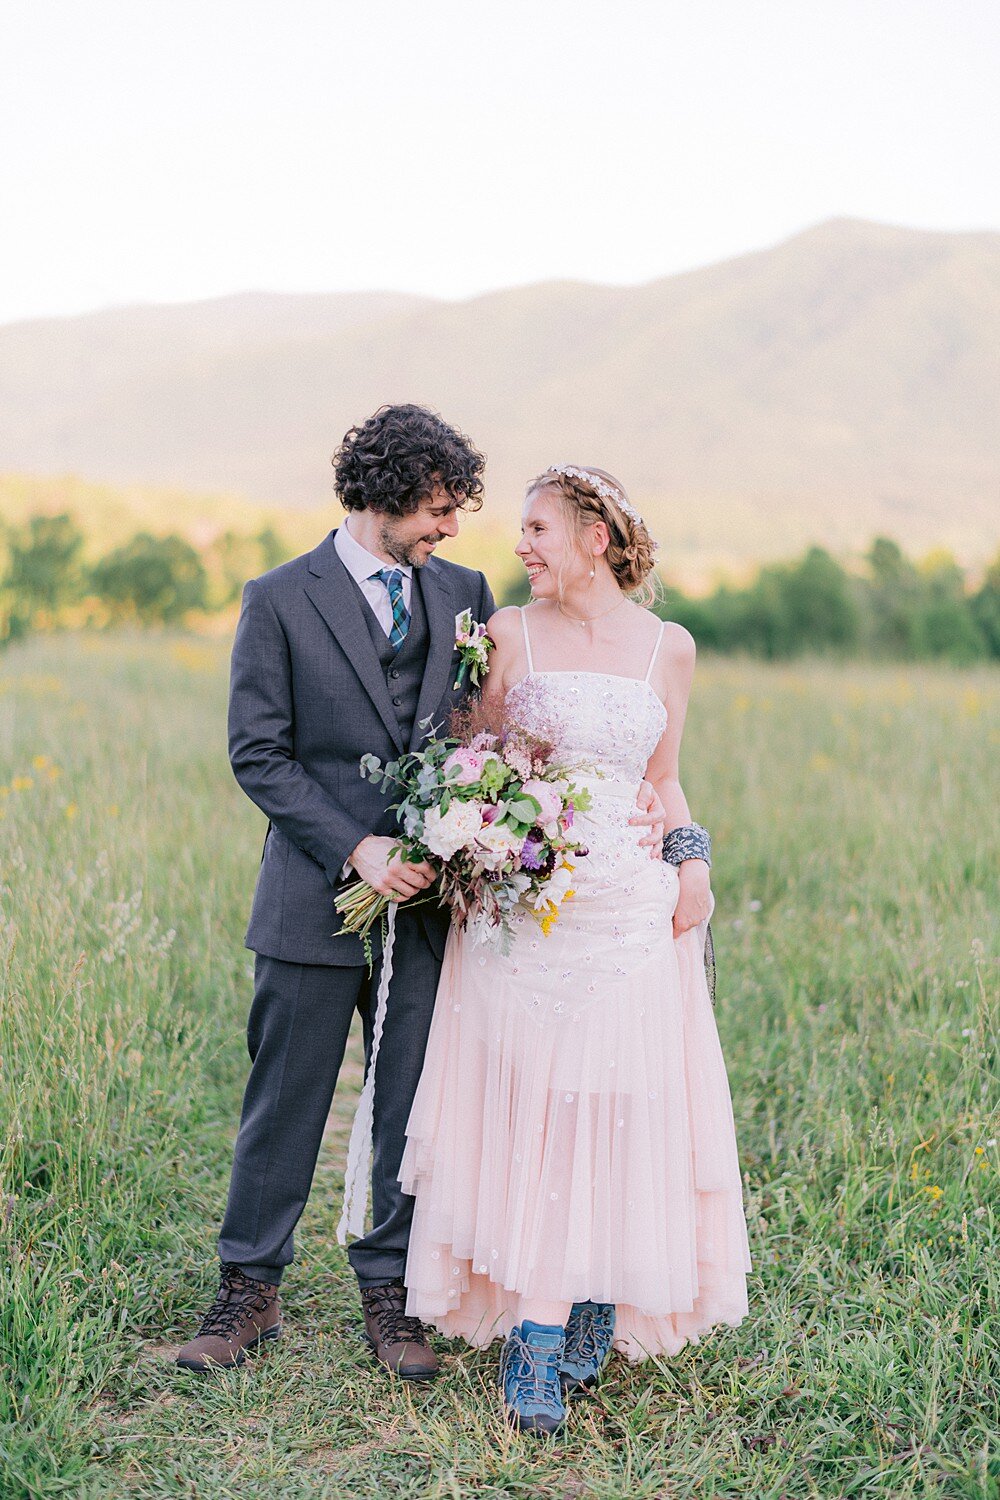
(591, 1332)
(531, 1376)
(238, 1296)
(387, 1308)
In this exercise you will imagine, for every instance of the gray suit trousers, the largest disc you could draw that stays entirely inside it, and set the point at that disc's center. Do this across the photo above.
(297, 1032)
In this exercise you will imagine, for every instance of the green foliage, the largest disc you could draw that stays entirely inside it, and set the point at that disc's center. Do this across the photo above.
(151, 579)
(948, 625)
(985, 606)
(274, 550)
(813, 605)
(43, 573)
(516, 591)
(893, 610)
(892, 596)
(856, 878)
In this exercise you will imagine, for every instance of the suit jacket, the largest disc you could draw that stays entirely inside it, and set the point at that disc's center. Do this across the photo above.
(307, 700)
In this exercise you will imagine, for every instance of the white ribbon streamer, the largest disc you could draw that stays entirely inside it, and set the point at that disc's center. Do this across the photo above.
(358, 1171)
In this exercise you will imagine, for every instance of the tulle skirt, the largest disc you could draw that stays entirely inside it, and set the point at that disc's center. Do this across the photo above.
(572, 1135)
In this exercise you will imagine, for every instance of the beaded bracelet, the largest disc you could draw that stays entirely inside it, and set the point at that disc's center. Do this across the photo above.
(689, 841)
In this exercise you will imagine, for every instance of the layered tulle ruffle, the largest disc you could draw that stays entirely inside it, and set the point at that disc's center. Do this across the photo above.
(572, 1136)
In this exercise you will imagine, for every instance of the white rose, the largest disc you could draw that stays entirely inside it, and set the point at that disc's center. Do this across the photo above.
(496, 843)
(446, 833)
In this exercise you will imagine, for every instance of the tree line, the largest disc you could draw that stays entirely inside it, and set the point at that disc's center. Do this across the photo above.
(46, 583)
(893, 607)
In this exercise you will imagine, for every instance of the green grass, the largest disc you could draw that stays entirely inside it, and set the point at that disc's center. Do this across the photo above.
(856, 879)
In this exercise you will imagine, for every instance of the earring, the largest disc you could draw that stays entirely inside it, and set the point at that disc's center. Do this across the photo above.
(591, 572)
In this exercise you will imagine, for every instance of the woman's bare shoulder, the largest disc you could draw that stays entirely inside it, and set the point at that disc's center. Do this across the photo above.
(679, 642)
(503, 624)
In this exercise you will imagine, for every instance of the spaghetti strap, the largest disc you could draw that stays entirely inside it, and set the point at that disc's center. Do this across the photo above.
(527, 643)
(656, 649)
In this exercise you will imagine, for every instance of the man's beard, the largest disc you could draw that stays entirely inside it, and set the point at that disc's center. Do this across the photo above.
(405, 552)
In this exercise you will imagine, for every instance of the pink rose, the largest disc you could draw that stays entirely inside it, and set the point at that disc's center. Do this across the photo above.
(467, 763)
(547, 798)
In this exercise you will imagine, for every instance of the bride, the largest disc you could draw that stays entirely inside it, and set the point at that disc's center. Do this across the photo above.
(571, 1147)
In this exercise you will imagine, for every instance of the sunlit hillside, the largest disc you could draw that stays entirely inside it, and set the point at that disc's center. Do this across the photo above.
(838, 385)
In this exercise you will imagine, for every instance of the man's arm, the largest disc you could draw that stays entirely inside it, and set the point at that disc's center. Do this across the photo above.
(261, 742)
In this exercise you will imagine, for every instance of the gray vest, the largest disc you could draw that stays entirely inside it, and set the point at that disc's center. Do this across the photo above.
(403, 669)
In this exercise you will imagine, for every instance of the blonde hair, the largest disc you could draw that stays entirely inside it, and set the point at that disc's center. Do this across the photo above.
(631, 550)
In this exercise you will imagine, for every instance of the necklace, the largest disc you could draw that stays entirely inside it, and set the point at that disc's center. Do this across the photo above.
(590, 618)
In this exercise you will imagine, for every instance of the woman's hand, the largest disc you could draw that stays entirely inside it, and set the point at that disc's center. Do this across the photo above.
(694, 903)
(651, 814)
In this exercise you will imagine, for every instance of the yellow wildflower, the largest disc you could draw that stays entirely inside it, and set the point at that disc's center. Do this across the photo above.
(71, 810)
(23, 783)
(40, 762)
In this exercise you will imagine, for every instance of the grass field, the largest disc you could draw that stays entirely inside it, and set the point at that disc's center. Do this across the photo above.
(853, 811)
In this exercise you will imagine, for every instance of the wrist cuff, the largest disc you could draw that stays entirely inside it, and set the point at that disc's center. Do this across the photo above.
(689, 841)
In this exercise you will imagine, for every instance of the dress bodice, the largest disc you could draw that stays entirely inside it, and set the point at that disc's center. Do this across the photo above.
(608, 723)
(603, 729)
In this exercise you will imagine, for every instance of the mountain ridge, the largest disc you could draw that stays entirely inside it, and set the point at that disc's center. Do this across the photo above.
(840, 383)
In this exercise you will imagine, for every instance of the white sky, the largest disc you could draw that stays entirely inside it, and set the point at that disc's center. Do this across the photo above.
(162, 150)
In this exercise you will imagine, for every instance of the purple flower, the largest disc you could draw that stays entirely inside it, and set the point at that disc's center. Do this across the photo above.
(531, 854)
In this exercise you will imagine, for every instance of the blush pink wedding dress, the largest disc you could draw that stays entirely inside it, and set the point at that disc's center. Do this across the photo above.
(572, 1134)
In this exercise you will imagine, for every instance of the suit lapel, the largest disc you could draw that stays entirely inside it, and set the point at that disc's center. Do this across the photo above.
(331, 591)
(439, 606)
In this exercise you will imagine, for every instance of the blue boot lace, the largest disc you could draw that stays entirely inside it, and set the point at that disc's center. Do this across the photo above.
(529, 1375)
(589, 1335)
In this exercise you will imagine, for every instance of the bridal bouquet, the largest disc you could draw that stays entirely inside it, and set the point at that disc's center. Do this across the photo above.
(495, 813)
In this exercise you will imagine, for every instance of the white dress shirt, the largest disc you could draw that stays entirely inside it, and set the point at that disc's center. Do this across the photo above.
(361, 564)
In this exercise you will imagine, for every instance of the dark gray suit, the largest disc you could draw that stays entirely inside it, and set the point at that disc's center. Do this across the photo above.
(314, 686)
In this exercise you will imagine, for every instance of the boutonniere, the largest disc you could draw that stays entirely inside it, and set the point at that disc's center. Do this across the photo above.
(473, 645)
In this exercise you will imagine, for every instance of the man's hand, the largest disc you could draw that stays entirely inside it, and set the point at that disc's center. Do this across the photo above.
(695, 900)
(652, 815)
(389, 875)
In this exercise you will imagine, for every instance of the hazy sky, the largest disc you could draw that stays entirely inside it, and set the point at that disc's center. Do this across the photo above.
(161, 150)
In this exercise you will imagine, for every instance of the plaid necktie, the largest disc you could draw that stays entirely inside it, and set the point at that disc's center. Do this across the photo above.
(393, 580)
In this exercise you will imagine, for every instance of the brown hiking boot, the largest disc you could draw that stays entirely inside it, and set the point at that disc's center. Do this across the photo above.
(244, 1314)
(399, 1342)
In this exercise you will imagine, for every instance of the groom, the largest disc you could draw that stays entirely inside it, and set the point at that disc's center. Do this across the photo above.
(345, 651)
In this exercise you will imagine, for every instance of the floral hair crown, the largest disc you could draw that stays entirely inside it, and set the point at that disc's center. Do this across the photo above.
(605, 490)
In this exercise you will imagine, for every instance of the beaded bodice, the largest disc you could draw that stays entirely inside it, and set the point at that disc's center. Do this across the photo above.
(600, 719)
(608, 725)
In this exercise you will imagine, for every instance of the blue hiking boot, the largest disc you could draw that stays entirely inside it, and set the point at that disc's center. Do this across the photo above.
(589, 1335)
(529, 1378)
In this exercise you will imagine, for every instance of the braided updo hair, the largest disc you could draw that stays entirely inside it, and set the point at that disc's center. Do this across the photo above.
(631, 550)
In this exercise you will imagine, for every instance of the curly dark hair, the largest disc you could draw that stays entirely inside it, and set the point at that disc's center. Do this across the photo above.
(393, 460)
